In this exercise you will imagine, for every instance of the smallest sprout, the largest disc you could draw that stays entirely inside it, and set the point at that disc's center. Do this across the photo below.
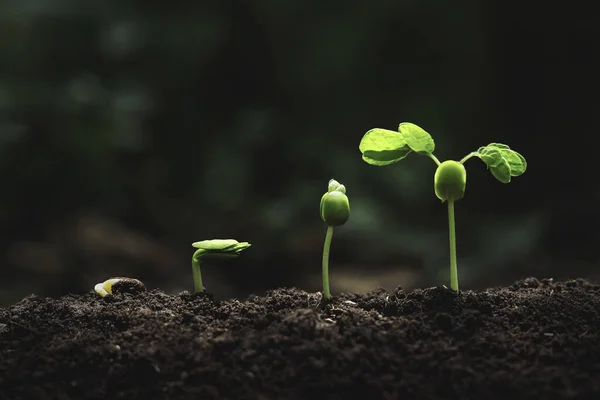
(222, 249)
(119, 285)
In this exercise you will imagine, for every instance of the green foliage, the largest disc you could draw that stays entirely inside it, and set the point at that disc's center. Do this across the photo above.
(503, 162)
(383, 147)
(416, 138)
(220, 248)
(214, 249)
(378, 145)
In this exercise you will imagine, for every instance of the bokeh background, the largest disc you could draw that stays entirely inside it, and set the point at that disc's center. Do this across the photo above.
(129, 129)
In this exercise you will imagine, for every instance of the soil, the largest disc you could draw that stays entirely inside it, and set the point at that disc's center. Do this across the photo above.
(536, 339)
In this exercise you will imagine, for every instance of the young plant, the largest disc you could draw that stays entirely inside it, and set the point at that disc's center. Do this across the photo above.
(213, 249)
(335, 211)
(384, 147)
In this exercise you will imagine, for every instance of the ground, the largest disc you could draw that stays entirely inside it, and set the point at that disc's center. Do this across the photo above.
(536, 339)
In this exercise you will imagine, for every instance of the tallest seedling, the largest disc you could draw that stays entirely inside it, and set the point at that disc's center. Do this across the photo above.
(384, 147)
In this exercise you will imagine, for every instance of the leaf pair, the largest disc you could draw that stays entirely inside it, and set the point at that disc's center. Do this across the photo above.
(502, 162)
(384, 147)
(220, 248)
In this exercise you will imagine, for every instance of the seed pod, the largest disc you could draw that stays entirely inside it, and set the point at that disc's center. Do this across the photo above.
(450, 181)
(335, 207)
(119, 285)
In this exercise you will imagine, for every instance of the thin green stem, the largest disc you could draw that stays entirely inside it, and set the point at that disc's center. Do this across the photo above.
(472, 154)
(434, 158)
(197, 275)
(325, 270)
(452, 230)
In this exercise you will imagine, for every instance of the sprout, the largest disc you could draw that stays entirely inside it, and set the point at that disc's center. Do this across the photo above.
(119, 285)
(335, 211)
(214, 249)
(383, 147)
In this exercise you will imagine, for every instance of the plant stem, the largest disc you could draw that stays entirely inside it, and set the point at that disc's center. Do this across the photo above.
(434, 158)
(198, 286)
(452, 231)
(465, 158)
(325, 269)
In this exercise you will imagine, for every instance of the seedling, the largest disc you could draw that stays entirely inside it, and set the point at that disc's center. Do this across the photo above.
(119, 285)
(214, 249)
(384, 147)
(335, 211)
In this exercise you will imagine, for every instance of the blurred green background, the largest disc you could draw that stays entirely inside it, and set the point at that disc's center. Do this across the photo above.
(130, 129)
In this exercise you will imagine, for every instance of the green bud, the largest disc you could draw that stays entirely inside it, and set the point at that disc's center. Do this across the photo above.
(335, 185)
(335, 207)
(450, 181)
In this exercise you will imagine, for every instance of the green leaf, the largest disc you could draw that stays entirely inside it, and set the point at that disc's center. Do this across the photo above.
(498, 165)
(216, 248)
(383, 147)
(499, 146)
(385, 157)
(215, 244)
(516, 161)
(416, 138)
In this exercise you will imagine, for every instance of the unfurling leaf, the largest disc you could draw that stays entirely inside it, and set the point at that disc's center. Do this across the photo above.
(497, 164)
(516, 161)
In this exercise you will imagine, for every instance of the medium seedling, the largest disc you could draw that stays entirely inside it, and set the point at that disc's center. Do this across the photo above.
(384, 147)
(222, 249)
(335, 211)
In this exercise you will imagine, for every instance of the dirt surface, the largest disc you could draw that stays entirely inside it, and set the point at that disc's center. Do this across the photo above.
(533, 340)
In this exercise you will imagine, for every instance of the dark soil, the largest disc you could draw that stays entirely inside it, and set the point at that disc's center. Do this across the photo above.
(533, 340)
